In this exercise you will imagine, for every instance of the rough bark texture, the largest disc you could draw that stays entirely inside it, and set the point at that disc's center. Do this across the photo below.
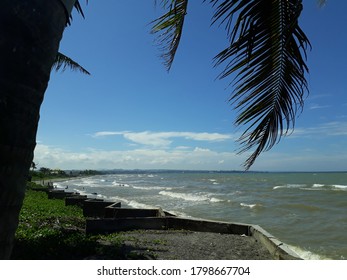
(30, 32)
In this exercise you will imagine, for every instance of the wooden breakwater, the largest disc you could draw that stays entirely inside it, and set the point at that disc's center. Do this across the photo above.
(104, 217)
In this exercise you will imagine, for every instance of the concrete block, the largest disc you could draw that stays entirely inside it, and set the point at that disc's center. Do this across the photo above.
(131, 223)
(75, 200)
(59, 194)
(95, 207)
(207, 226)
(277, 248)
(109, 225)
(117, 212)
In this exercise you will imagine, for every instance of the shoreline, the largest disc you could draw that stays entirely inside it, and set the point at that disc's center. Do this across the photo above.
(42, 235)
(239, 246)
(219, 197)
(303, 203)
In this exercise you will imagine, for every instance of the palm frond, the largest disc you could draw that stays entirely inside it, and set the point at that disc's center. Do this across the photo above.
(79, 9)
(267, 53)
(62, 62)
(170, 27)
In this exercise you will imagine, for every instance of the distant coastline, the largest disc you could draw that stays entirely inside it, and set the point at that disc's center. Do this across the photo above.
(189, 171)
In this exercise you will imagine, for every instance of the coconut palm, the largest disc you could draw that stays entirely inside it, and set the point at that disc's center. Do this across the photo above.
(266, 50)
(265, 56)
(29, 40)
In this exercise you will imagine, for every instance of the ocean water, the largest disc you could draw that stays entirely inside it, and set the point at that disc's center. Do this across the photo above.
(307, 211)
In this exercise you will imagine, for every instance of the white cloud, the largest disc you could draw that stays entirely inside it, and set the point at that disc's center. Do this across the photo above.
(188, 158)
(201, 150)
(301, 160)
(197, 158)
(318, 96)
(107, 133)
(148, 138)
(338, 128)
(164, 139)
(155, 150)
(317, 106)
(182, 148)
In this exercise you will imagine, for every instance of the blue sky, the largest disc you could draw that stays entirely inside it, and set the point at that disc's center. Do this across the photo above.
(130, 113)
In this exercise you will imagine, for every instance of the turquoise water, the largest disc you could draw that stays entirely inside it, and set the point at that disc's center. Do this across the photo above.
(307, 211)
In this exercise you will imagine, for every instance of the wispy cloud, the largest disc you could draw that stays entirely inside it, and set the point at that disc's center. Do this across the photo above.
(317, 106)
(338, 128)
(300, 160)
(162, 139)
(319, 96)
(107, 133)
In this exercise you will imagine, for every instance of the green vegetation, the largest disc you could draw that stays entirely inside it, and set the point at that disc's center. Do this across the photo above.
(45, 173)
(50, 230)
(89, 172)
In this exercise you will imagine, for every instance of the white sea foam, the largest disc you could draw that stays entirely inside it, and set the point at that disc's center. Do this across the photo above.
(131, 203)
(295, 186)
(305, 254)
(329, 187)
(318, 186)
(59, 186)
(96, 195)
(118, 184)
(213, 181)
(323, 187)
(184, 196)
(190, 197)
(89, 182)
(178, 213)
(152, 188)
(118, 199)
(249, 205)
(213, 199)
(136, 204)
(340, 187)
(312, 189)
(289, 186)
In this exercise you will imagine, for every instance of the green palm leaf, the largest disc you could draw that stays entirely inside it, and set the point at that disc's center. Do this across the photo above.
(170, 26)
(62, 62)
(266, 51)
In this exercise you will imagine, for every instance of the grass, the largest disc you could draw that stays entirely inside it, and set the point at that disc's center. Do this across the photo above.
(50, 230)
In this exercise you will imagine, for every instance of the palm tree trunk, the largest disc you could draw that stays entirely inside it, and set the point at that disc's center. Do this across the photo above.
(30, 32)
